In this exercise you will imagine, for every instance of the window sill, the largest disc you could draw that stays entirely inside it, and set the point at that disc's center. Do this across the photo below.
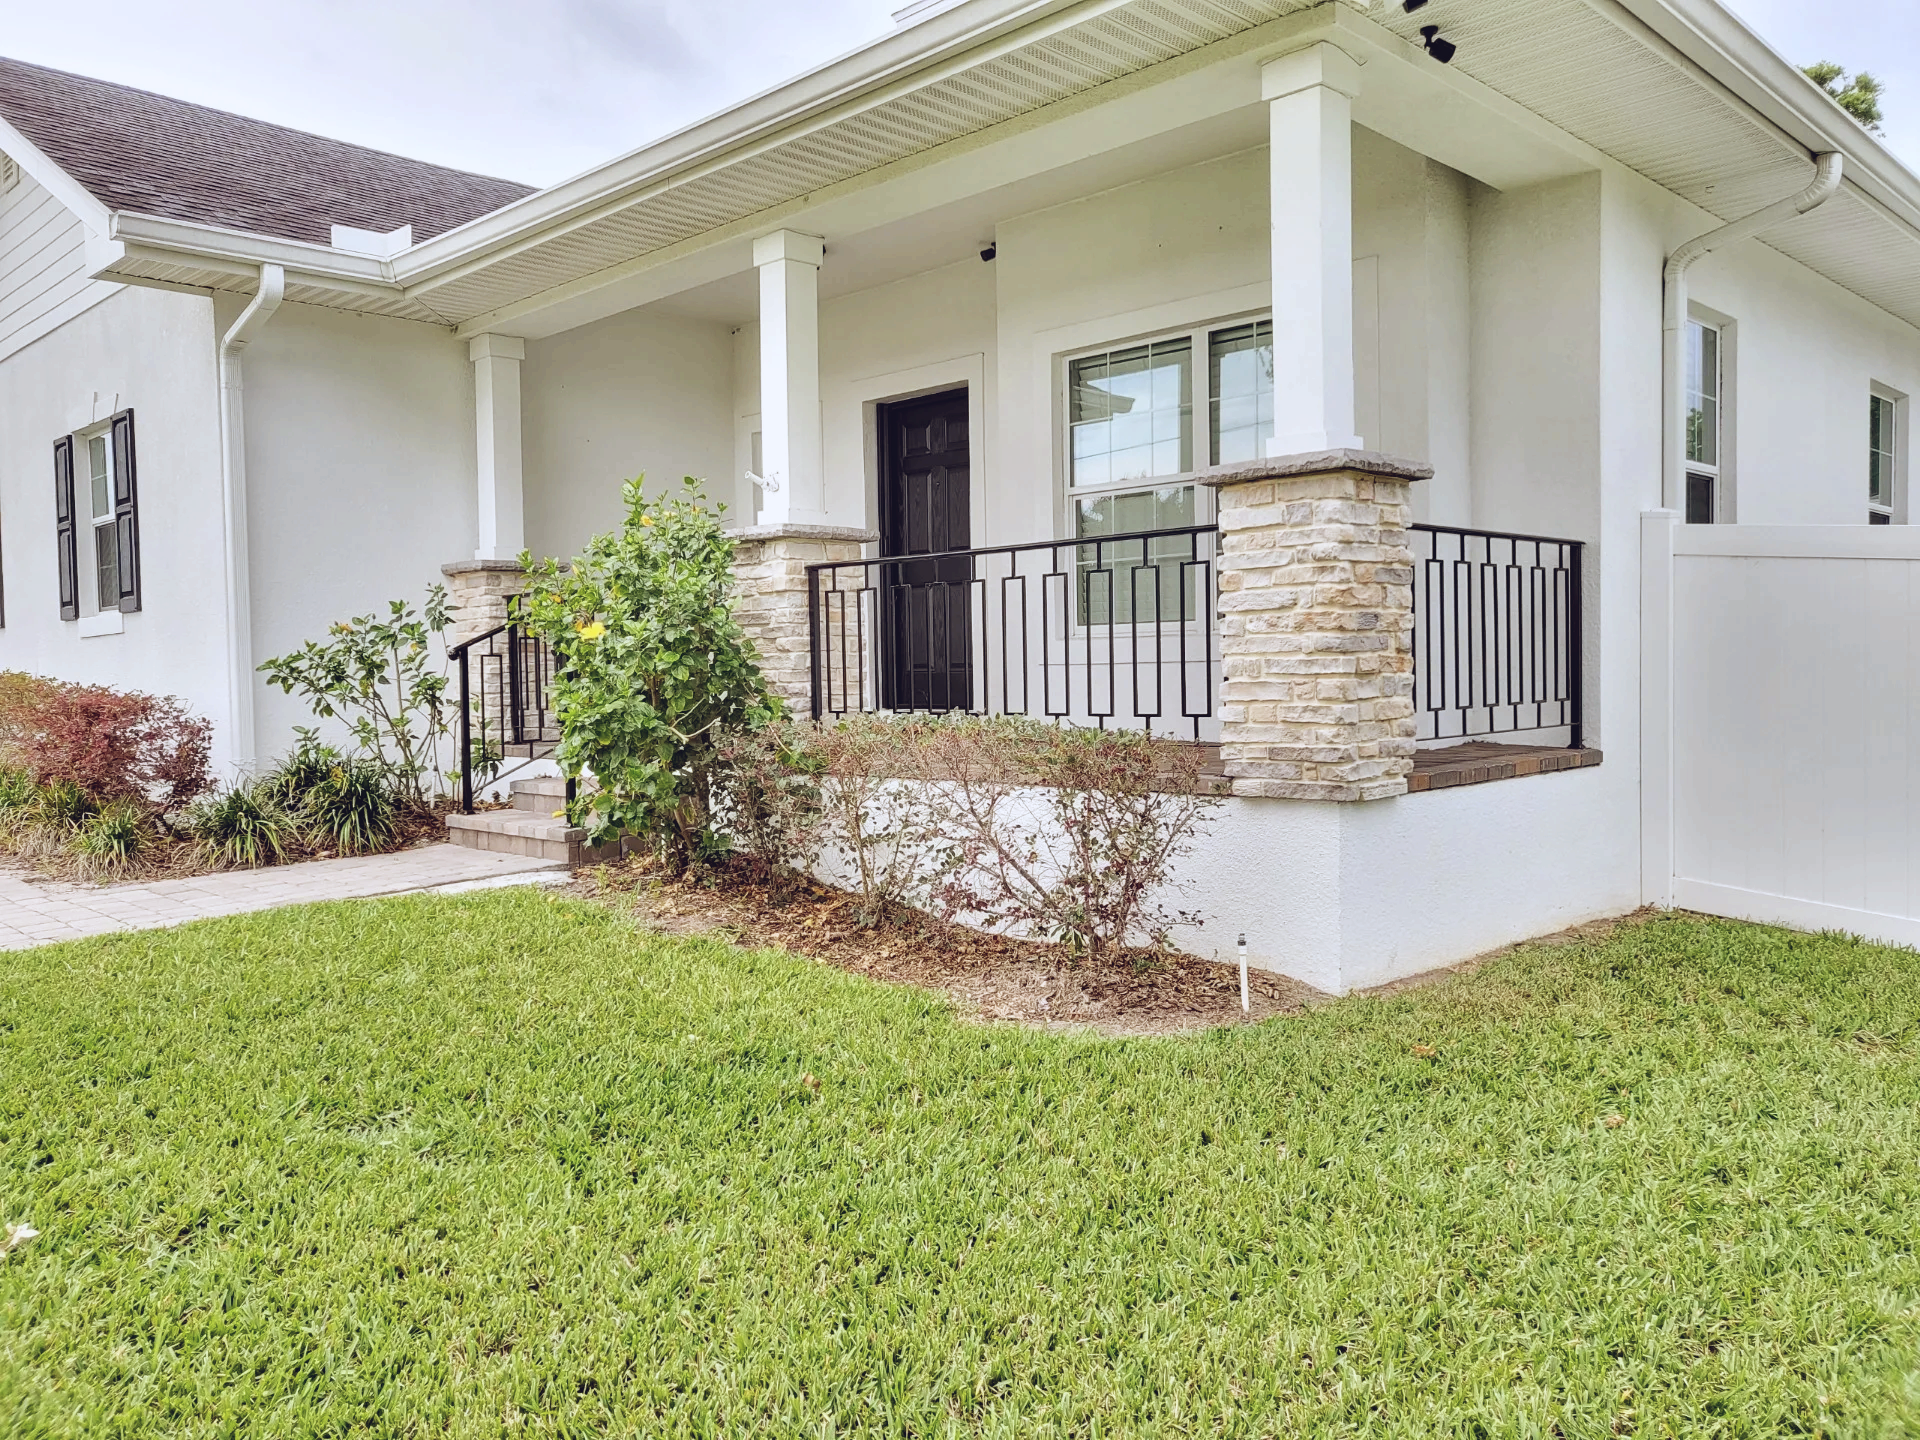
(107, 622)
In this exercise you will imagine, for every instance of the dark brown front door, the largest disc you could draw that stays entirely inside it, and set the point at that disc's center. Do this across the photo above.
(927, 640)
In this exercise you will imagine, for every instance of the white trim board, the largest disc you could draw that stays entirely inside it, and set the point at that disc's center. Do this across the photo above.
(869, 392)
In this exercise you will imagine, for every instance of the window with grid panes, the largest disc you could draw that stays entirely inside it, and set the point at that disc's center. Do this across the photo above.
(1131, 455)
(106, 547)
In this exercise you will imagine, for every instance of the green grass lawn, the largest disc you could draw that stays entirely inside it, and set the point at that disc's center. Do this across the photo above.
(501, 1165)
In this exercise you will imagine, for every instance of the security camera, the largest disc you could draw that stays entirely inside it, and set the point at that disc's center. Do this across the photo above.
(989, 250)
(1441, 50)
(1412, 5)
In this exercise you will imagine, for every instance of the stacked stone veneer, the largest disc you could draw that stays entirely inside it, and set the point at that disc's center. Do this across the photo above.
(1316, 626)
(477, 595)
(770, 597)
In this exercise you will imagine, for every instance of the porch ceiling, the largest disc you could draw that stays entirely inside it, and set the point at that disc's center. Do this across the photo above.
(1675, 89)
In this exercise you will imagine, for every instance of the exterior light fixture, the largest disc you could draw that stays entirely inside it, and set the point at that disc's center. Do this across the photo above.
(1441, 50)
(1411, 5)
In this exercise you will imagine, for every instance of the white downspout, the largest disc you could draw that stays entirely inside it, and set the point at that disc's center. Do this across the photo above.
(233, 491)
(1826, 182)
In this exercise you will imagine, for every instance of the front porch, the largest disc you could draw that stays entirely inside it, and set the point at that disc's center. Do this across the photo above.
(1214, 432)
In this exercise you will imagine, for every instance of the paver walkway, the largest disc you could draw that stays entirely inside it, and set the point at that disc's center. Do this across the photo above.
(39, 913)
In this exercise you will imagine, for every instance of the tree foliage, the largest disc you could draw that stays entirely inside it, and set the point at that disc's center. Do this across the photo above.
(1858, 94)
(653, 671)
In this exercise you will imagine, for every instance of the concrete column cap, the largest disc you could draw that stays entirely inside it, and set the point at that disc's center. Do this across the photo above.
(1318, 462)
(847, 533)
(455, 568)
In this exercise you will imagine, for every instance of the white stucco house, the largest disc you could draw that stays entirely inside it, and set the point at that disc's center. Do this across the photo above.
(1374, 328)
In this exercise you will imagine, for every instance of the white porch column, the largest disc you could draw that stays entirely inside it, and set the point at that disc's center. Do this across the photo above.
(496, 410)
(1310, 94)
(794, 465)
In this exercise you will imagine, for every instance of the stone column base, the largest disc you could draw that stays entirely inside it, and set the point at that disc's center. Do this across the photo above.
(770, 597)
(1316, 625)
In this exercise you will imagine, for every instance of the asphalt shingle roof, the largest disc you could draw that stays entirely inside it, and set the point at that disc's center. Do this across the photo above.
(134, 150)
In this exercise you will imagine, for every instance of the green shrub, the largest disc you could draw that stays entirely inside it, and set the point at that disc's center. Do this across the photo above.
(242, 828)
(352, 809)
(379, 676)
(115, 840)
(112, 744)
(653, 670)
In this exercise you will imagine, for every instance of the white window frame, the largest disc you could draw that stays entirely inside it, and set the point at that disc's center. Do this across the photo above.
(1896, 507)
(1067, 495)
(83, 447)
(1199, 337)
(1718, 468)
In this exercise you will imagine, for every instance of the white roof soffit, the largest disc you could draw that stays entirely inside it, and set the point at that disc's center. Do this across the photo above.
(1675, 89)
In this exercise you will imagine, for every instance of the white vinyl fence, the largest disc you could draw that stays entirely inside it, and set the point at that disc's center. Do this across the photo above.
(1781, 713)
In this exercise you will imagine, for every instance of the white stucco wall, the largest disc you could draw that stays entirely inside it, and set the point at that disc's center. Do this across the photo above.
(1536, 356)
(645, 390)
(152, 352)
(360, 477)
(1803, 356)
(1346, 897)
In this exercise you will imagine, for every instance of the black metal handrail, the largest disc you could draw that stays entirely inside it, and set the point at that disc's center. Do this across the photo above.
(514, 671)
(1100, 630)
(1498, 637)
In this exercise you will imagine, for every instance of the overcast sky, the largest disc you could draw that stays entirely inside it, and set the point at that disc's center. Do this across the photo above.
(538, 90)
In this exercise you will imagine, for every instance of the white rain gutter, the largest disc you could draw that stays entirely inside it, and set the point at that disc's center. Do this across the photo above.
(1826, 183)
(233, 490)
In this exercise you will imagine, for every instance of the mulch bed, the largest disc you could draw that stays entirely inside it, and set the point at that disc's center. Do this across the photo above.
(176, 857)
(992, 977)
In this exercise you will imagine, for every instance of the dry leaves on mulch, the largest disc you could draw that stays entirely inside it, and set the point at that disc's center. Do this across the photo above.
(993, 977)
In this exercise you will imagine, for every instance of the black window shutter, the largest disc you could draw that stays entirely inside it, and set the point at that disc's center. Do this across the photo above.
(126, 511)
(63, 527)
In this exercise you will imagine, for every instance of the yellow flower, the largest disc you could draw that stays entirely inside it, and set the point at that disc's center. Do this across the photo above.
(591, 632)
(646, 520)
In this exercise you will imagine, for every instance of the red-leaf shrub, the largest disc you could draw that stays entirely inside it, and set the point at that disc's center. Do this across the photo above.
(110, 744)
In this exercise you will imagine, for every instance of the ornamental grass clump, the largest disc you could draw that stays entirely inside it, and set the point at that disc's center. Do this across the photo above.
(242, 828)
(653, 673)
(351, 809)
(304, 770)
(113, 842)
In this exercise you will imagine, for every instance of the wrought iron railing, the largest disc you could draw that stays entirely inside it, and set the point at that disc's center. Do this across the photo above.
(504, 678)
(1497, 635)
(1107, 630)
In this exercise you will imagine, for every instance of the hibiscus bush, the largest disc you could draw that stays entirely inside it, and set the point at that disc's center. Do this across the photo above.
(654, 674)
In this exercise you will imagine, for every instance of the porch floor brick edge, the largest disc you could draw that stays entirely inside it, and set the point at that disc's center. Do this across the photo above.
(1478, 762)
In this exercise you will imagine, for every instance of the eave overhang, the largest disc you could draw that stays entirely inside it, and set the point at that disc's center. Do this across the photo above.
(1677, 90)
